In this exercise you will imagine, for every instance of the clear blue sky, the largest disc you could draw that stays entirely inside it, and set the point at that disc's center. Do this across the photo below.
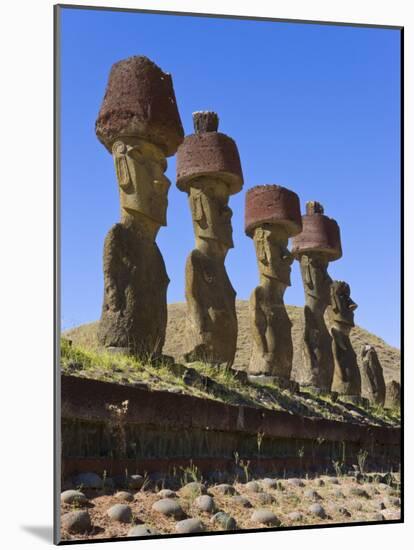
(314, 108)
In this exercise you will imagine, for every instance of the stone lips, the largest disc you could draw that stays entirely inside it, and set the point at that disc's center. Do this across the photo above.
(272, 204)
(139, 101)
(209, 154)
(319, 234)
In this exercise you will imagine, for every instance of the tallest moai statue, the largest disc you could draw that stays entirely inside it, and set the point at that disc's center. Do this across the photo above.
(140, 126)
(209, 171)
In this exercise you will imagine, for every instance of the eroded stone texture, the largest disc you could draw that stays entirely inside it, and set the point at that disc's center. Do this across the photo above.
(317, 245)
(393, 394)
(372, 376)
(209, 171)
(140, 124)
(272, 215)
(347, 378)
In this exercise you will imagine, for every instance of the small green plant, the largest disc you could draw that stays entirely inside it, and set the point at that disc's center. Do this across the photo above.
(245, 465)
(338, 467)
(190, 473)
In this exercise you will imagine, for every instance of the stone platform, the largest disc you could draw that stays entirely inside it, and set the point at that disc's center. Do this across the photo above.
(112, 427)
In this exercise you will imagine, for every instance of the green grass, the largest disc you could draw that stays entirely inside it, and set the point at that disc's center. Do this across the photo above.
(212, 383)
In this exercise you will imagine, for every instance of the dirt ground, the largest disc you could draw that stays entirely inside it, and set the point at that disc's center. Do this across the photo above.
(341, 499)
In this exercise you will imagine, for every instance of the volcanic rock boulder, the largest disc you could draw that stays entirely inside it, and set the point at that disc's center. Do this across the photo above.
(393, 395)
(209, 171)
(347, 378)
(140, 125)
(272, 215)
(372, 376)
(317, 245)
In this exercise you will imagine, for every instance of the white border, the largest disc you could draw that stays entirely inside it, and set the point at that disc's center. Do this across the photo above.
(26, 274)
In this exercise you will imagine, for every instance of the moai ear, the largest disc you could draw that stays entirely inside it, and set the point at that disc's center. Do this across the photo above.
(197, 206)
(307, 272)
(119, 151)
(263, 253)
(335, 300)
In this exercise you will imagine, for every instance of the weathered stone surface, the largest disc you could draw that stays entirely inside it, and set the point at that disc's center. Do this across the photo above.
(319, 235)
(252, 487)
(393, 395)
(265, 517)
(77, 522)
(120, 512)
(372, 376)
(393, 501)
(240, 500)
(140, 125)
(225, 489)
(73, 497)
(190, 525)
(206, 170)
(205, 503)
(142, 531)
(208, 153)
(317, 245)
(88, 480)
(140, 101)
(166, 493)
(295, 516)
(317, 510)
(296, 482)
(273, 205)
(168, 507)
(313, 495)
(358, 492)
(272, 214)
(125, 496)
(135, 482)
(227, 522)
(347, 378)
(265, 498)
(269, 483)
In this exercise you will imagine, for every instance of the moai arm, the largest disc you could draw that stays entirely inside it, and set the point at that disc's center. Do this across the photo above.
(195, 295)
(115, 274)
(258, 321)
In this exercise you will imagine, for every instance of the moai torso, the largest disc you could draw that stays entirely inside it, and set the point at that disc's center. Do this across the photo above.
(208, 169)
(347, 378)
(134, 312)
(372, 376)
(272, 215)
(317, 245)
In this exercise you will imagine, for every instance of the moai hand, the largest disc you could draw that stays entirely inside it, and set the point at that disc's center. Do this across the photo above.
(209, 171)
(140, 125)
(272, 215)
(372, 376)
(318, 244)
(347, 378)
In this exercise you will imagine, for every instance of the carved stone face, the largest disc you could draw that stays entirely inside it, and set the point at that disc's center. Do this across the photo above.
(143, 186)
(343, 306)
(317, 282)
(273, 256)
(211, 214)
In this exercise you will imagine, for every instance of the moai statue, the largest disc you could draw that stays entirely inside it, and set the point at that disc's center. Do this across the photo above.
(318, 244)
(209, 171)
(272, 215)
(140, 126)
(347, 378)
(372, 376)
(393, 395)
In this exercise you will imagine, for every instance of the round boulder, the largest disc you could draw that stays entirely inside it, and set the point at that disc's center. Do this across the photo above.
(265, 517)
(120, 512)
(73, 497)
(317, 510)
(225, 521)
(225, 489)
(125, 496)
(193, 488)
(252, 487)
(295, 482)
(168, 507)
(240, 500)
(77, 522)
(88, 480)
(295, 516)
(166, 493)
(205, 503)
(190, 525)
(142, 531)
